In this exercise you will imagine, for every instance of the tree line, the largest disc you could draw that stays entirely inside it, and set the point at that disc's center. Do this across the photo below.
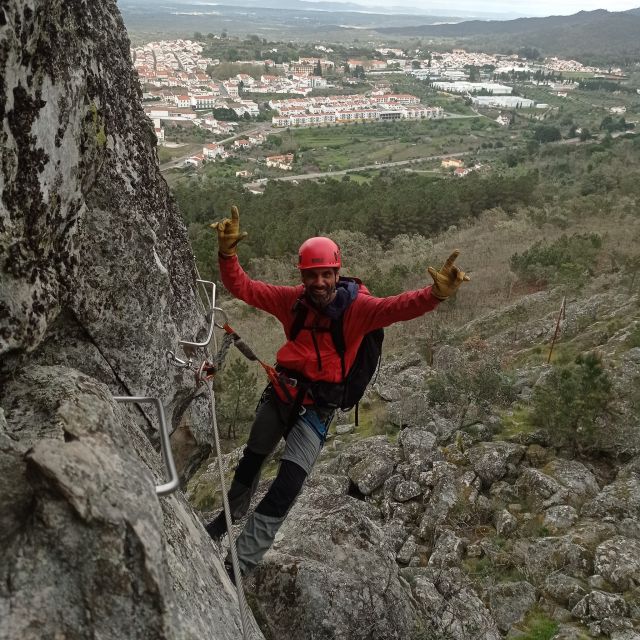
(388, 205)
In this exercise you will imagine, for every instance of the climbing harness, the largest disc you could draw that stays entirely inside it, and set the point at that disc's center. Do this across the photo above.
(173, 483)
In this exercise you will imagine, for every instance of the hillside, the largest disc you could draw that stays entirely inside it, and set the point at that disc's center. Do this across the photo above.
(486, 493)
(593, 37)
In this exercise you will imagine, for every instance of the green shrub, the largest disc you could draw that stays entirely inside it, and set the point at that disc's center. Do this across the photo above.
(539, 627)
(564, 260)
(480, 383)
(569, 402)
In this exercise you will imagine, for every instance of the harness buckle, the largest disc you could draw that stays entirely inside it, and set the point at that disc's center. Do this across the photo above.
(291, 382)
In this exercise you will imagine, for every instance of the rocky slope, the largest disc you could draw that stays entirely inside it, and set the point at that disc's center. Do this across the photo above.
(485, 530)
(97, 282)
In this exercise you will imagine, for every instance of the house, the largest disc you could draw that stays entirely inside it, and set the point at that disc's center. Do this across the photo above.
(213, 151)
(503, 120)
(280, 162)
(241, 143)
(194, 161)
(256, 138)
(243, 174)
(456, 163)
(460, 172)
(204, 101)
(231, 87)
(182, 101)
(159, 131)
(246, 79)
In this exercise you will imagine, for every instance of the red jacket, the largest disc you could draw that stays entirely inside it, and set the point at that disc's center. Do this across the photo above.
(365, 314)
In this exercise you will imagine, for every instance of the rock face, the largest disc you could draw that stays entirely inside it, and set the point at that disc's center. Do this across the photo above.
(434, 537)
(332, 575)
(96, 269)
(96, 284)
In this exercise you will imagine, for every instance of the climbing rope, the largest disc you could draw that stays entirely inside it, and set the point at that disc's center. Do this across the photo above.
(205, 374)
(242, 601)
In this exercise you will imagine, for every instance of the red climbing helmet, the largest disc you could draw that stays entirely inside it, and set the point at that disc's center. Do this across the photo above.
(318, 253)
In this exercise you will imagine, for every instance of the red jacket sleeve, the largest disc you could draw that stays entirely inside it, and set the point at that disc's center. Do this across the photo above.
(369, 313)
(274, 299)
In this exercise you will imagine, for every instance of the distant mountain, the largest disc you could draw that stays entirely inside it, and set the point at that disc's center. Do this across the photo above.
(597, 37)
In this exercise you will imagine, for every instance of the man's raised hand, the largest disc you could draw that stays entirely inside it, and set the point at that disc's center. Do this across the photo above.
(448, 279)
(229, 233)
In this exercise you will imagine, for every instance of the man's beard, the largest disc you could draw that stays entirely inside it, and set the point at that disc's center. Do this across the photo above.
(321, 297)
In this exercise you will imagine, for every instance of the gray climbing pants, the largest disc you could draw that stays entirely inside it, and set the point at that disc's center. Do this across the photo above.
(303, 445)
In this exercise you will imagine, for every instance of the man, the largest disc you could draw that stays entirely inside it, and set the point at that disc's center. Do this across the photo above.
(296, 406)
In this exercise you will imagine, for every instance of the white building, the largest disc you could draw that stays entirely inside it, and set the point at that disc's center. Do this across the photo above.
(473, 87)
(506, 102)
(213, 151)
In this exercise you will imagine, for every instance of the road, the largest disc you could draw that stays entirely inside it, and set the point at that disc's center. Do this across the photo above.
(381, 165)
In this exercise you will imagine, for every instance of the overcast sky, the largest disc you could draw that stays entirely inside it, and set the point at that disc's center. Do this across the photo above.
(519, 7)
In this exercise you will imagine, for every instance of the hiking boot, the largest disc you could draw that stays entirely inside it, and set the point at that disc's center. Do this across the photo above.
(217, 527)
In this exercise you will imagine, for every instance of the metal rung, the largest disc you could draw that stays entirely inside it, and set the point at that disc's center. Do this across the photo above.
(165, 444)
(212, 310)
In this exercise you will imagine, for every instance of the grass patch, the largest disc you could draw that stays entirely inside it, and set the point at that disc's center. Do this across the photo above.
(372, 421)
(538, 626)
(515, 422)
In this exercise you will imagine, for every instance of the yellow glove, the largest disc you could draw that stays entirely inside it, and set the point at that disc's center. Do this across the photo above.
(229, 233)
(448, 279)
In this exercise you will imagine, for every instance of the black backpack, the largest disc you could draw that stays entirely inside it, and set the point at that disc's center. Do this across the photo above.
(347, 394)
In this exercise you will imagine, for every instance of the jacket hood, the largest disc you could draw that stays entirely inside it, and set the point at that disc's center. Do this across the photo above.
(346, 293)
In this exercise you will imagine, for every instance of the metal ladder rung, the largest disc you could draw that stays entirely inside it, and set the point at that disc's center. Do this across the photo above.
(165, 444)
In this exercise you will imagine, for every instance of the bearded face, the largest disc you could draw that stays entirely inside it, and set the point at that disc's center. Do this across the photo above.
(320, 285)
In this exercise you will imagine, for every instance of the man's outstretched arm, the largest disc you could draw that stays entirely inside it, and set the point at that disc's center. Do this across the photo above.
(381, 312)
(273, 299)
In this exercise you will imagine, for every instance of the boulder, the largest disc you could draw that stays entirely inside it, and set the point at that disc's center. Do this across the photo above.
(89, 544)
(449, 606)
(603, 612)
(331, 573)
(543, 556)
(503, 493)
(492, 460)
(407, 551)
(419, 446)
(618, 500)
(505, 523)
(410, 410)
(343, 429)
(618, 561)
(448, 550)
(370, 474)
(560, 518)
(407, 490)
(539, 489)
(537, 456)
(443, 497)
(566, 590)
(580, 483)
(510, 601)
(589, 532)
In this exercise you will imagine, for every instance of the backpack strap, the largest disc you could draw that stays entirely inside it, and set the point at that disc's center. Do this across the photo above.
(337, 335)
(300, 310)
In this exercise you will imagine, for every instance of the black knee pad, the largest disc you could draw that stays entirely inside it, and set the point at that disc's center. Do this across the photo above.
(249, 467)
(283, 491)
